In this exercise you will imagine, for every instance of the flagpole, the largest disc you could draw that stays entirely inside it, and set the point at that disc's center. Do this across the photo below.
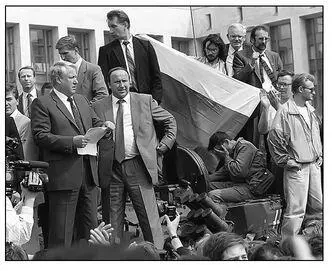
(194, 41)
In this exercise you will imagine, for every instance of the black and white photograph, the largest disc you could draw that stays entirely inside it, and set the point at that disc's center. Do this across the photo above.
(165, 133)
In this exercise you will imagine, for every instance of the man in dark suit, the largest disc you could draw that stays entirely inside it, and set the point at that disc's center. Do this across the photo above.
(258, 67)
(91, 82)
(135, 55)
(128, 164)
(59, 122)
(27, 78)
(236, 36)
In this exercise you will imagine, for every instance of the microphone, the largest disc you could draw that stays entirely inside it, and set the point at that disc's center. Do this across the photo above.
(27, 165)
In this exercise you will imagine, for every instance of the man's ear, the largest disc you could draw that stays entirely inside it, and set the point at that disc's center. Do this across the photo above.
(58, 79)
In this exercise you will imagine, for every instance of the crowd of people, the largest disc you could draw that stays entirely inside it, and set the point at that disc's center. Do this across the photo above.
(279, 151)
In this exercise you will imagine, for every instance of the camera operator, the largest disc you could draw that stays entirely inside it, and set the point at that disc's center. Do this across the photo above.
(19, 219)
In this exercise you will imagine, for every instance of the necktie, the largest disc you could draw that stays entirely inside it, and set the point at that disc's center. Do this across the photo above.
(76, 116)
(119, 135)
(263, 64)
(29, 101)
(131, 64)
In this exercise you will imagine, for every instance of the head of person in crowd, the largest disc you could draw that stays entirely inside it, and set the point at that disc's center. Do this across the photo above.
(14, 252)
(11, 98)
(259, 38)
(212, 47)
(284, 85)
(119, 82)
(68, 49)
(63, 78)
(46, 88)
(222, 140)
(266, 252)
(27, 78)
(236, 35)
(216, 139)
(142, 251)
(316, 244)
(119, 24)
(303, 88)
(226, 246)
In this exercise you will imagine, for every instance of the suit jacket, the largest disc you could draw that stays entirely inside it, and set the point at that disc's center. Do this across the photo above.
(245, 73)
(91, 82)
(30, 150)
(20, 105)
(148, 77)
(144, 111)
(53, 130)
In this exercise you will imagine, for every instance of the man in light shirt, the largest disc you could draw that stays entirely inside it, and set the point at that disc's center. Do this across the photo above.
(27, 78)
(236, 36)
(128, 162)
(91, 82)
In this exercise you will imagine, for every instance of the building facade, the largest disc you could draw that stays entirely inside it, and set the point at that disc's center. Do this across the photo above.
(31, 33)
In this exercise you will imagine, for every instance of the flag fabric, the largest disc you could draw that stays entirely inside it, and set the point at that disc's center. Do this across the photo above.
(202, 99)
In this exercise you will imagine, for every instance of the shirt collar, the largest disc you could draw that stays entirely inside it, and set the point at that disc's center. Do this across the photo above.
(33, 92)
(293, 108)
(231, 49)
(15, 113)
(78, 63)
(126, 99)
(130, 41)
(61, 95)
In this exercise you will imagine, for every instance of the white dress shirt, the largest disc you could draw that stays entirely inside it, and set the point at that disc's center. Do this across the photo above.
(64, 98)
(230, 59)
(33, 93)
(131, 50)
(19, 223)
(78, 63)
(131, 149)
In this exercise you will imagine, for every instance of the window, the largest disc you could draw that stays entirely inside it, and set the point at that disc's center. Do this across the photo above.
(41, 53)
(281, 42)
(10, 55)
(83, 42)
(181, 44)
(314, 31)
(209, 21)
(107, 37)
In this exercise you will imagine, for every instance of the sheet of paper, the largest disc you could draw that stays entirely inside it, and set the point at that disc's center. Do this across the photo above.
(94, 135)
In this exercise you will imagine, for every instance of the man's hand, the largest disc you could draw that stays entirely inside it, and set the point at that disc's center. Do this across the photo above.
(172, 226)
(221, 152)
(319, 161)
(162, 148)
(110, 125)
(292, 164)
(100, 235)
(264, 99)
(80, 141)
(274, 99)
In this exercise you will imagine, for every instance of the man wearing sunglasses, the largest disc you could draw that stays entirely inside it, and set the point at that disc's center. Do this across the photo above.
(295, 144)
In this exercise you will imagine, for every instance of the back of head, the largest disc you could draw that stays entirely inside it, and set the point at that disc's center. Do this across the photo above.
(14, 252)
(145, 251)
(266, 252)
(67, 42)
(219, 242)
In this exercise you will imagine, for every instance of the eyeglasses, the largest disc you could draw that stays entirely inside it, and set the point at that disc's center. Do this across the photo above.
(284, 85)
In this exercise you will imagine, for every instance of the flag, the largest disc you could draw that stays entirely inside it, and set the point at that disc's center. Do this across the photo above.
(202, 99)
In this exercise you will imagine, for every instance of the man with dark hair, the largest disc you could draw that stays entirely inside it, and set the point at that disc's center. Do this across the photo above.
(137, 56)
(212, 48)
(240, 162)
(15, 253)
(59, 123)
(128, 163)
(258, 67)
(27, 78)
(295, 144)
(236, 36)
(91, 82)
(225, 246)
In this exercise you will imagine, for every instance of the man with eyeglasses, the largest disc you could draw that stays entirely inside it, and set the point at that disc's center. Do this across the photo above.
(295, 144)
(258, 67)
(270, 104)
(236, 36)
(212, 48)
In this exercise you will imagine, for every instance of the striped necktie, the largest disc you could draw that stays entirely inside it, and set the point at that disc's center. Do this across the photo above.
(119, 134)
(76, 116)
(263, 64)
(29, 101)
(131, 65)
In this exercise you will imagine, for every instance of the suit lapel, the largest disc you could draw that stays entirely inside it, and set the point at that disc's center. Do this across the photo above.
(108, 109)
(81, 73)
(85, 117)
(137, 54)
(20, 105)
(119, 54)
(249, 56)
(270, 58)
(61, 106)
(135, 112)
